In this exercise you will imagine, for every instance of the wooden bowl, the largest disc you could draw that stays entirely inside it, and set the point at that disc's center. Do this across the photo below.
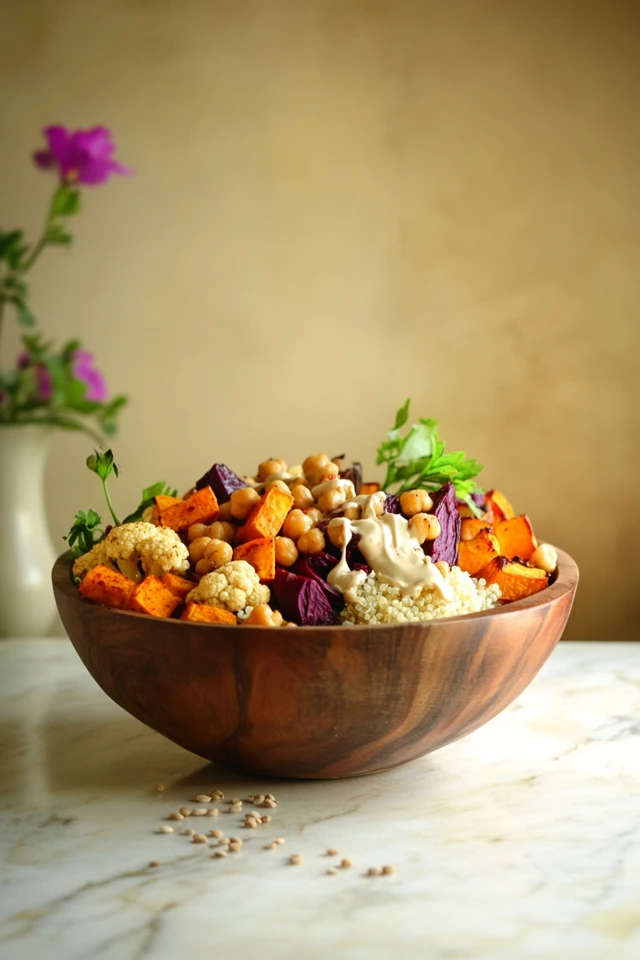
(316, 702)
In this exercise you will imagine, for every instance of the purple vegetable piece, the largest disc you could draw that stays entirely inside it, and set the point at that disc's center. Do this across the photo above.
(355, 559)
(317, 567)
(392, 503)
(222, 481)
(478, 497)
(301, 600)
(445, 547)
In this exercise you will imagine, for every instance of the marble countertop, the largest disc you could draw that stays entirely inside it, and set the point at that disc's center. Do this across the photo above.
(520, 841)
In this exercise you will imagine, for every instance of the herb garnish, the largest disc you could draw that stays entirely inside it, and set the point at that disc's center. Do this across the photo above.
(419, 460)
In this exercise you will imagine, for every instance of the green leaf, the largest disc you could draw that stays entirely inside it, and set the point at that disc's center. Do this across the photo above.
(57, 235)
(402, 415)
(156, 490)
(103, 463)
(419, 442)
(66, 201)
(86, 531)
(24, 315)
(12, 248)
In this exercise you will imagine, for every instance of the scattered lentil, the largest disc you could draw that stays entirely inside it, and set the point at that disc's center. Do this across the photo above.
(271, 846)
(160, 787)
(346, 863)
(295, 859)
(154, 863)
(270, 796)
(219, 854)
(250, 823)
(165, 828)
(186, 811)
(203, 798)
(217, 795)
(216, 833)
(259, 798)
(269, 803)
(190, 832)
(388, 869)
(332, 871)
(332, 852)
(374, 871)
(199, 838)
(200, 812)
(279, 841)
(265, 819)
(175, 816)
(213, 812)
(235, 840)
(235, 847)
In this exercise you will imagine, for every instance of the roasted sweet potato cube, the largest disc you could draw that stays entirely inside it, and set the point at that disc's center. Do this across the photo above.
(516, 537)
(163, 502)
(366, 489)
(204, 613)
(200, 507)
(475, 554)
(261, 554)
(178, 585)
(471, 526)
(153, 598)
(501, 508)
(107, 586)
(516, 580)
(267, 517)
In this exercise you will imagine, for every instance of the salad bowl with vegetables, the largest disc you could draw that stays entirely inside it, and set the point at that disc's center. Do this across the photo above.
(302, 622)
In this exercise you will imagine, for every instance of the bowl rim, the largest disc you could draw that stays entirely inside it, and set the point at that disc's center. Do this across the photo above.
(565, 582)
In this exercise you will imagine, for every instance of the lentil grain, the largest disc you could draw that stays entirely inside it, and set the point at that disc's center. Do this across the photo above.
(199, 838)
(295, 859)
(175, 816)
(165, 828)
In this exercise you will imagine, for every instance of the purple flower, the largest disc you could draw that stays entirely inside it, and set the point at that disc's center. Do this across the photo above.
(83, 369)
(81, 156)
(44, 382)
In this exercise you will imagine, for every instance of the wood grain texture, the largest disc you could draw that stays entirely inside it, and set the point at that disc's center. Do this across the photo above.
(316, 702)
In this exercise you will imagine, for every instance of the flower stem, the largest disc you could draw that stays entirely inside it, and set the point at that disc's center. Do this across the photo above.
(109, 504)
(44, 239)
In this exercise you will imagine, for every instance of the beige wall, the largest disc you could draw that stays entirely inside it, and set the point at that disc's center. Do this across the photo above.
(339, 204)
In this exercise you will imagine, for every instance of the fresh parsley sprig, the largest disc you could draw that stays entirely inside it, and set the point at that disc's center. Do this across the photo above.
(158, 489)
(418, 459)
(104, 465)
(86, 530)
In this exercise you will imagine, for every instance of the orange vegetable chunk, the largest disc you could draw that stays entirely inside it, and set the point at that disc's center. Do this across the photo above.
(267, 517)
(153, 598)
(204, 613)
(516, 580)
(501, 508)
(475, 554)
(178, 585)
(471, 526)
(261, 554)
(163, 502)
(516, 537)
(107, 586)
(200, 507)
(366, 489)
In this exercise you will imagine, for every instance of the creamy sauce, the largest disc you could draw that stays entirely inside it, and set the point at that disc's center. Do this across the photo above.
(340, 483)
(391, 552)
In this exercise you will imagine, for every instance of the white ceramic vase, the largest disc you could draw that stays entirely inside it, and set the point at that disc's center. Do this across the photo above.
(27, 607)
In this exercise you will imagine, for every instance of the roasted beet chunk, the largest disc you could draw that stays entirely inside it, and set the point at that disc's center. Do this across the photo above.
(301, 600)
(222, 481)
(478, 497)
(392, 503)
(317, 566)
(445, 547)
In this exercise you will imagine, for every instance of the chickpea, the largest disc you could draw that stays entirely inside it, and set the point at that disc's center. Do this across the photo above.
(424, 526)
(263, 616)
(311, 542)
(197, 548)
(221, 530)
(204, 566)
(351, 512)
(331, 499)
(270, 466)
(243, 501)
(315, 466)
(545, 557)
(302, 496)
(219, 552)
(286, 551)
(296, 523)
(332, 472)
(337, 532)
(195, 531)
(314, 515)
(280, 484)
(415, 501)
(224, 513)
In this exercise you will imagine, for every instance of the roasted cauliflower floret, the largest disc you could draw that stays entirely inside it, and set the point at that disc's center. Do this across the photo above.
(233, 586)
(137, 549)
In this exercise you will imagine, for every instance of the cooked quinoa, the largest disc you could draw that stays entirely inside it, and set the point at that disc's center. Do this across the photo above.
(379, 602)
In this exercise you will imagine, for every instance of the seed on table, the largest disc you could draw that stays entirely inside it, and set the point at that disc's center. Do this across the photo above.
(235, 801)
(186, 811)
(165, 828)
(216, 833)
(265, 819)
(388, 869)
(219, 854)
(295, 859)
(269, 803)
(190, 832)
(270, 796)
(233, 809)
(259, 798)
(160, 787)
(332, 871)
(200, 812)
(199, 838)
(374, 871)
(271, 846)
(332, 852)
(279, 841)
(154, 863)
(235, 847)
(235, 840)
(346, 863)
(250, 823)
(175, 816)
(212, 813)
(203, 798)
(217, 795)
